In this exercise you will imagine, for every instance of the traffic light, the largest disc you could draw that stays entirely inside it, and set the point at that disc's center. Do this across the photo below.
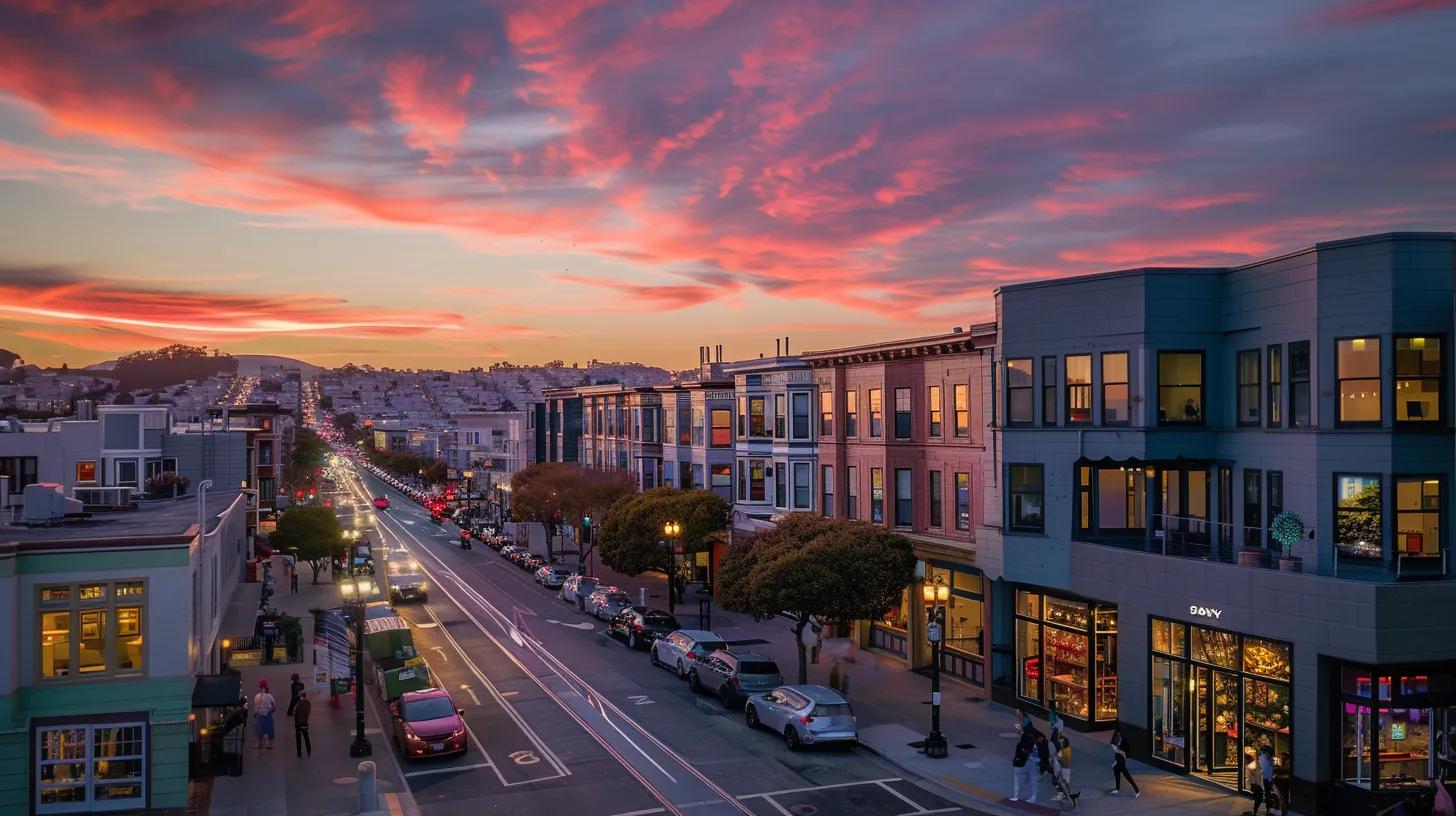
(586, 521)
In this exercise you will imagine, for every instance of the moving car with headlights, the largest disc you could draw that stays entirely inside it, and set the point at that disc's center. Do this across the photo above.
(552, 577)
(732, 675)
(681, 649)
(427, 723)
(575, 589)
(804, 715)
(406, 582)
(604, 602)
(638, 626)
(381, 502)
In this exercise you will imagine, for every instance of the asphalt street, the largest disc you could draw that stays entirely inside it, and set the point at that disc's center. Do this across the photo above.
(565, 719)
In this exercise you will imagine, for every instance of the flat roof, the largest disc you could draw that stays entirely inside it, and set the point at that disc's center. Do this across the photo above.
(155, 520)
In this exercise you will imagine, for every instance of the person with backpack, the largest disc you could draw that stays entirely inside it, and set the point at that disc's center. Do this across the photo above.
(1022, 777)
(1062, 768)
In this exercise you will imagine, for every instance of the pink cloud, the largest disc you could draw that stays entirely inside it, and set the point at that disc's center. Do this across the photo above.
(434, 114)
(1370, 11)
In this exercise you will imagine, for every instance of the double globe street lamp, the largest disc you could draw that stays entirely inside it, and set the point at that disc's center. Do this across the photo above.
(935, 595)
(356, 592)
(672, 532)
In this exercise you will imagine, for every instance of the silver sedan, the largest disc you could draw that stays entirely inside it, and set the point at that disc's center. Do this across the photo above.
(804, 715)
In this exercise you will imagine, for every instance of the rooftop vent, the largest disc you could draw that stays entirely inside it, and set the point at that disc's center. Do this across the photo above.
(46, 503)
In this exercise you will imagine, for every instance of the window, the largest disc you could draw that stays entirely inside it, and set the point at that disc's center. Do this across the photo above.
(851, 492)
(960, 394)
(781, 485)
(1273, 504)
(1114, 388)
(669, 426)
(696, 421)
(1417, 517)
(1299, 384)
(722, 428)
(932, 399)
(851, 414)
(826, 490)
(1018, 392)
(91, 629)
(1180, 387)
(963, 501)
(936, 499)
(1418, 379)
(88, 767)
(877, 415)
(1274, 401)
(902, 413)
(742, 417)
(800, 421)
(126, 472)
(1079, 389)
(1027, 494)
(689, 426)
(826, 413)
(1357, 378)
(904, 503)
(877, 496)
(1049, 391)
(756, 480)
(86, 471)
(1253, 509)
(22, 470)
(1359, 530)
(265, 453)
(757, 422)
(722, 475)
(1249, 387)
(781, 416)
(803, 491)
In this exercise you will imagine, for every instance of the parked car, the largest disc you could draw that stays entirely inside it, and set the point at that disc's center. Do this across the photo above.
(733, 674)
(638, 626)
(552, 577)
(531, 562)
(517, 556)
(804, 715)
(508, 549)
(604, 602)
(679, 650)
(427, 723)
(575, 589)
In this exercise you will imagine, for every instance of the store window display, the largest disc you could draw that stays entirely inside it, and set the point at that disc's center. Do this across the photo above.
(1066, 653)
(1396, 725)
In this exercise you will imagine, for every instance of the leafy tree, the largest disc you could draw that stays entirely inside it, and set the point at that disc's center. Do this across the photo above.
(556, 494)
(631, 534)
(816, 569)
(170, 365)
(326, 403)
(124, 398)
(346, 422)
(8, 358)
(312, 531)
(307, 456)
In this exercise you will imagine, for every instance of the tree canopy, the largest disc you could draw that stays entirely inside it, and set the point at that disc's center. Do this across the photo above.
(312, 531)
(170, 365)
(411, 465)
(631, 538)
(308, 455)
(557, 493)
(816, 569)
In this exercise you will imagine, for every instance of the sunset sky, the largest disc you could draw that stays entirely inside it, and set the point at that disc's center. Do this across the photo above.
(450, 184)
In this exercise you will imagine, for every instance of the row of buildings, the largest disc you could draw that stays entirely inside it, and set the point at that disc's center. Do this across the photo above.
(114, 582)
(1095, 475)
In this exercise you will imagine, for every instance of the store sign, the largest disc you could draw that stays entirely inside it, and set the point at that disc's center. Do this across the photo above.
(1205, 611)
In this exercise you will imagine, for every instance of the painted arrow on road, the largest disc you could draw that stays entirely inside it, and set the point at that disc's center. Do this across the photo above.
(586, 626)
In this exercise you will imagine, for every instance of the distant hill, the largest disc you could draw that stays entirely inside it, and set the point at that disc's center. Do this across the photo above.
(251, 365)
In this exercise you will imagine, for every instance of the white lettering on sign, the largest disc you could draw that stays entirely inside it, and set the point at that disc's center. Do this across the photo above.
(1205, 611)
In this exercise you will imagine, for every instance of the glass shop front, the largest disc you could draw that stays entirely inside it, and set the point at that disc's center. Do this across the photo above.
(1066, 655)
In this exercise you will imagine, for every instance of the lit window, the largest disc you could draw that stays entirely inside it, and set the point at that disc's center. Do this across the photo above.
(1114, 388)
(1079, 388)
(1180, 387)
(1357, 373)
(1358, 516)
(1418, 380)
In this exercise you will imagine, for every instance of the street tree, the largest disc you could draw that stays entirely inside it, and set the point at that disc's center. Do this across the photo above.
(312, 532)
(816, 570)
(304, 460)
(631, 536)
(557, 494)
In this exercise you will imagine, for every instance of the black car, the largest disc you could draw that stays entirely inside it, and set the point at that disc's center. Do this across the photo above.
(638, 626)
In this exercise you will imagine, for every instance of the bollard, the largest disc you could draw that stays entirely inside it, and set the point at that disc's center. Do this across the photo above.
(642, 591)
(368, 796)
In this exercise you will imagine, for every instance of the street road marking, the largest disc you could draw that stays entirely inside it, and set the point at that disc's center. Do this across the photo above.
(509, 693)
(441, 650)
(919, 808)
(471, 692)
(451, 769)
(640, 699)
(523, 757)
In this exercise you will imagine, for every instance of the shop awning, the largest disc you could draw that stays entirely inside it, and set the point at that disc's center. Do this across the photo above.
(217, 690)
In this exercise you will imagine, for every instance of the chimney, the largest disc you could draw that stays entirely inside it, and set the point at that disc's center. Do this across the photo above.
(786, 345)
(85, 410)
(957, 330)
(777, 343)
(720, 352)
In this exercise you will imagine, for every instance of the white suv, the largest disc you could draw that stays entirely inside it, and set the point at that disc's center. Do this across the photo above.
(679, 650)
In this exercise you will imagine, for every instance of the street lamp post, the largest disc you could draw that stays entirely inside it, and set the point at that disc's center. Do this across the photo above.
(672, 531)
(354, 590)
(469, 497)
(935, 595)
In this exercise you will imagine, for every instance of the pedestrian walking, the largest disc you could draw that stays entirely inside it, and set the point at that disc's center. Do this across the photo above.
(1061, 762)
(301, 742)
(1119, 765)
(1054, 723)
(1283, 780)
(263, 707)
(295, 690)
(293, 583)
(1022, 776)
(1256, 781)
(1265, 759)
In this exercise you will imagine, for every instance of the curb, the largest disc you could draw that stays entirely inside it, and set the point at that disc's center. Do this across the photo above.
(963, 793)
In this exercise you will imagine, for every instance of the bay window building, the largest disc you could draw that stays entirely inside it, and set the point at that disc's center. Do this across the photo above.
(775, 445)
(1130, 519)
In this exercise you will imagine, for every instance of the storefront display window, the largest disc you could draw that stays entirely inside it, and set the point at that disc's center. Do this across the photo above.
(1170, 718)
(90, 767)
(1067, 655)
(964, 632)
(897, 617)
(1395, 725)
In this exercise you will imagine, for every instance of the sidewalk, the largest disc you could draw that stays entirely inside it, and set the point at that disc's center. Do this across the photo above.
(893, 708)
(276, 782)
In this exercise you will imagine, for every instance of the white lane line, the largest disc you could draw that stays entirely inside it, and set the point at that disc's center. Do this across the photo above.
(823, 787)
(776, 806)
(471, 692)
(928, 812)
(451, 769)
(919, 808)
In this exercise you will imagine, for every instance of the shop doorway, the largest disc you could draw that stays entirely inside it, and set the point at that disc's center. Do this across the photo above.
(1216, 726)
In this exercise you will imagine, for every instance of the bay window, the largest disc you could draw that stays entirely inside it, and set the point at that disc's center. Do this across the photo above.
(1114, 388)
(91, 629)
(1418, 379)
(1357, 378)
(902, 413)
(1180, 387)
(799, 419)
(877, 414)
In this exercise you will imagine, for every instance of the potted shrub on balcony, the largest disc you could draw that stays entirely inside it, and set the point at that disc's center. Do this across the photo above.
(167, 485)
(1288, 529)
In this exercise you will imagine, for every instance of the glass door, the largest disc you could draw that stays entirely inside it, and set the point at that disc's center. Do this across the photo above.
(1216, 726)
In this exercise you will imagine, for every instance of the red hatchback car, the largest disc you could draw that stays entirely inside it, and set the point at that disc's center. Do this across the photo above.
(427, 723)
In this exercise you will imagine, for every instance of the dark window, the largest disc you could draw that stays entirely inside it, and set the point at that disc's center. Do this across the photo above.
(781, 416)
(826, 490)
(1049, 391)
(1357, 380)
(1079, 389)
(851, 492)
(851, 414)
(936, 498)
(1418, 379)
(803, 491)
(1273, 405)
(961, 395)
(799, 425)
(1249, 387)
(1299, 384)
(1019, 391)
(932, 399)
(1359, 530)
(742, 417)
(781, 481)
(1027, 495)
(1180, 387)
(1253, 509)
(963, 501)
(826, 413)
(904, 504)
(1274, 504)
(877, 496)
(902, 413)
(1115, 409)
(877, 414)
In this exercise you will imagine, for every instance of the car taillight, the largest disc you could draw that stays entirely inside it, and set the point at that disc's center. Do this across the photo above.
(691, 656)
(734, 681)
(806, 719)
(639, 627)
